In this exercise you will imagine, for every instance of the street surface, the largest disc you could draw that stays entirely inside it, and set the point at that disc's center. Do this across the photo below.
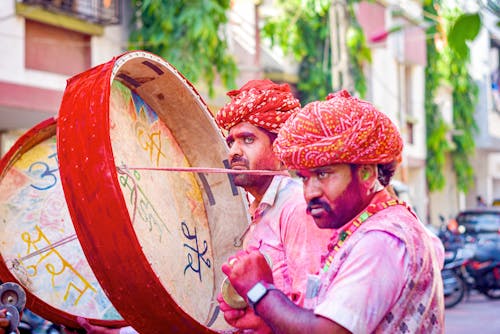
(476, 315)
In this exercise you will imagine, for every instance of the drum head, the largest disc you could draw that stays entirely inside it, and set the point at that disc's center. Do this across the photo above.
(155, 239)
(39, 247)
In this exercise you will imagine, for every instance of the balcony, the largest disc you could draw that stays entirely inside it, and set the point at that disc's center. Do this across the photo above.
(100, 12)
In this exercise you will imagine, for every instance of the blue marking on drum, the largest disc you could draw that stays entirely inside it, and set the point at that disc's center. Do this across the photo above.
(206, 186)
(44, 175)
(153, 67)
(230, 176)
(194, 263)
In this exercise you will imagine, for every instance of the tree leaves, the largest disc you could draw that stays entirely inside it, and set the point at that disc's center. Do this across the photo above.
(303, 31)
(465, 28)
(189, 35)
(450, 66)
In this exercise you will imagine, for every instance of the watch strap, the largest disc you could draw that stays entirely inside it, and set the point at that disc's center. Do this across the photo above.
(257, 292)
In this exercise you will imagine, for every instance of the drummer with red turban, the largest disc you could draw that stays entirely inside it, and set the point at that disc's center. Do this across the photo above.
(262, 103)
(380, 272)
(280, 226)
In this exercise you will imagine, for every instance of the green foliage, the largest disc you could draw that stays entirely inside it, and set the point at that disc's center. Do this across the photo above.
(188, 34)
(465, 28)
(302, 30)
(359, 53)
(437, 147)
(436, 128)
(465, 96)
(450, 66)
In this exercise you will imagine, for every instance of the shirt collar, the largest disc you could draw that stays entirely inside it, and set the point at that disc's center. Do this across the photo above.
(269, 196)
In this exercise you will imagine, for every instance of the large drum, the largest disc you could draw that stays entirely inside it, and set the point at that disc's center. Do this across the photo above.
(39, 248)
(155, 239)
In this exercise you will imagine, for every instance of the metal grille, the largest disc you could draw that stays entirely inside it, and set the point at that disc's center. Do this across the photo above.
(104, 12)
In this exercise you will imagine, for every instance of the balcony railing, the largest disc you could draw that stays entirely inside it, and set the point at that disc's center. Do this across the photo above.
(103, 12)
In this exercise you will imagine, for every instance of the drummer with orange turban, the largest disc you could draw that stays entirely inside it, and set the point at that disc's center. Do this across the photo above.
(380, 273)
(280, 227)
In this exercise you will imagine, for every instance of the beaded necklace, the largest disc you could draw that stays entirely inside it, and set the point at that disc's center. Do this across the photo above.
(354, 225)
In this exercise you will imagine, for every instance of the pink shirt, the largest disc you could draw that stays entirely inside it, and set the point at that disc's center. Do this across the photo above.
(289, 236)
(386, 277)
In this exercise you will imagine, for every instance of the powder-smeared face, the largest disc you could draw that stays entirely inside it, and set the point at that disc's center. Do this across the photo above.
(333, 194)
(250, 148)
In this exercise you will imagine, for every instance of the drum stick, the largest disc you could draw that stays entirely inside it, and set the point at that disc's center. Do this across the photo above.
(210, 170)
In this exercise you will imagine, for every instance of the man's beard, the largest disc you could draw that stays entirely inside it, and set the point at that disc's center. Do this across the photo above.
(347, 206)
(240, 180)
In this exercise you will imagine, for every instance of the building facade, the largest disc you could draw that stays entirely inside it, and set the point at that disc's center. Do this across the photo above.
(45, 42)
(485, 70)
(396, 84)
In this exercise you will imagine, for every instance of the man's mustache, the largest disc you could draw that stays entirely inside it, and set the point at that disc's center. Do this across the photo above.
(318, 202)
(239, 160)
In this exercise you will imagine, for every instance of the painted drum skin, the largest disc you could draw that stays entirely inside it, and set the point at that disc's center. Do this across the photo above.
(39, 248)
(155, 239)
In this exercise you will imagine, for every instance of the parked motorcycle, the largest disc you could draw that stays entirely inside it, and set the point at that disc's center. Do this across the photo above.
(482, 271)
(454, 286)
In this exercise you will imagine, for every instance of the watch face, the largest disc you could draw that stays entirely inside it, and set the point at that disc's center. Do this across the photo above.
(256, 293)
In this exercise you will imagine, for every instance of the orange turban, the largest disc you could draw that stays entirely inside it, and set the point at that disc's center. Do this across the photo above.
(262, 103)
(342, 129)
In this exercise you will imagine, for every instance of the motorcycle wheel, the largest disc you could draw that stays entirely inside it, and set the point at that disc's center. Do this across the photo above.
(491, 285)
(492, 293)
(454, 287)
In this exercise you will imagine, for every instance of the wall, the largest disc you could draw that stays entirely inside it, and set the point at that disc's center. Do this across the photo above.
(485, 160)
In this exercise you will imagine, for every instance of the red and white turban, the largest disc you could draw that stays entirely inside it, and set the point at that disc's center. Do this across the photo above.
(262, 103)
(342, 129)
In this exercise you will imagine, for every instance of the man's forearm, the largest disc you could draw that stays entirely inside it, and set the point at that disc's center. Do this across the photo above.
(284, 317)
(277, 310)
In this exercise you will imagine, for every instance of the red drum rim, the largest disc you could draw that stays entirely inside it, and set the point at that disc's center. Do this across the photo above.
(96, 203)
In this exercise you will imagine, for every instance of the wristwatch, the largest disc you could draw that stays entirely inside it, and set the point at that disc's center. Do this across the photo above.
(257, 292)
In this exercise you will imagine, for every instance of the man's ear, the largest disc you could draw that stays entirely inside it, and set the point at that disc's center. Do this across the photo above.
(282, 166)
(367, 174)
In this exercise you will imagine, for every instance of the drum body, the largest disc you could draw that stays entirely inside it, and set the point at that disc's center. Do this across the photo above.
(39, 247)
(155, 239)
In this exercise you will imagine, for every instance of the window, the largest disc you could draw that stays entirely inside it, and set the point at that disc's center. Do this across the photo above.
(53, 49)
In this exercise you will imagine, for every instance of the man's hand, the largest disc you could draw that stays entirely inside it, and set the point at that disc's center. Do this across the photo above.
(242, 318)
(247, 268)
(5, 323)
